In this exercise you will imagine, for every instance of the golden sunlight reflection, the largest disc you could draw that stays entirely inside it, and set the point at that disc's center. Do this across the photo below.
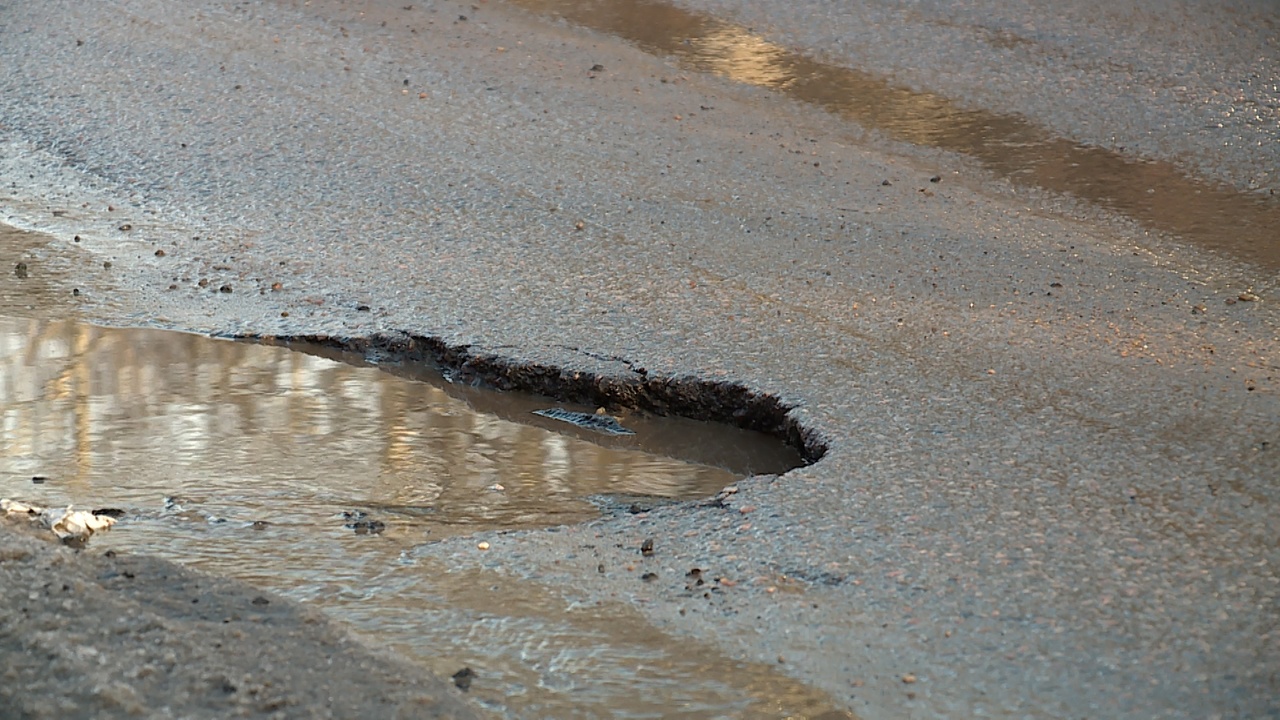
(737, 54)
(128, 417)
(1214, 216)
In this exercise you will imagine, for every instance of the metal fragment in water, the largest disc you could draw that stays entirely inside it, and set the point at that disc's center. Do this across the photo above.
(598, 422)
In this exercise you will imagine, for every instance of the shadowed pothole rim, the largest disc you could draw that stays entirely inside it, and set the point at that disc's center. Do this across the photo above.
(689, 397)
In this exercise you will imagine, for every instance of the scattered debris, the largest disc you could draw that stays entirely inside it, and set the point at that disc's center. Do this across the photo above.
(362, 524)
(368, 527)
(646, 547)
(599, 422)
(463, 678)
(68, 524)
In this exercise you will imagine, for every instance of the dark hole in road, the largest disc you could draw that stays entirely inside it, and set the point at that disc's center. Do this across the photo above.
(1157, 194)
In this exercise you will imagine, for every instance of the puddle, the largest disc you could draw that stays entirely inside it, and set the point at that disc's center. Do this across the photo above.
(1155, 193)
(718, 445)
(240, 459)
(310, 436)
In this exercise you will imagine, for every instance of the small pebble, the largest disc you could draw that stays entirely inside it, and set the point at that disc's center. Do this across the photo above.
(462, 679)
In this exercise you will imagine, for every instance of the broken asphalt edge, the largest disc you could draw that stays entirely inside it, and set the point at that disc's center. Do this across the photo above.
(689, 397)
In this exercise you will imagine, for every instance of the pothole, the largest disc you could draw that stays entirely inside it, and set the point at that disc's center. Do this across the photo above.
(311, 475)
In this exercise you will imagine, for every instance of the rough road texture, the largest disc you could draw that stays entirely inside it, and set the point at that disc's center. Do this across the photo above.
(1053, 438)
(88, 636)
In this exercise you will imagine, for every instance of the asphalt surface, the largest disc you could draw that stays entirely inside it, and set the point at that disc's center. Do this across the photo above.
(1052, 434)
(100, 635)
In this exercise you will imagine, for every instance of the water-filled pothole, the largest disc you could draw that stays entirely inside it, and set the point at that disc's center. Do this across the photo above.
(241, 459)
(185, 415)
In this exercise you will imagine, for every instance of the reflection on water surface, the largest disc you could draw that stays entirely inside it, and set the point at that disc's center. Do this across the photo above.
(246, 433)
(240, 459)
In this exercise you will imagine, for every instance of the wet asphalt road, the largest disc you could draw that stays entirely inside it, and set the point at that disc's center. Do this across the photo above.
(1052, 435)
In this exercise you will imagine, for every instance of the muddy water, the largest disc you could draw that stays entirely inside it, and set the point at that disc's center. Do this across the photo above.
(183, 414)
(717, 445)
(1157, 194)
(242, 459)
